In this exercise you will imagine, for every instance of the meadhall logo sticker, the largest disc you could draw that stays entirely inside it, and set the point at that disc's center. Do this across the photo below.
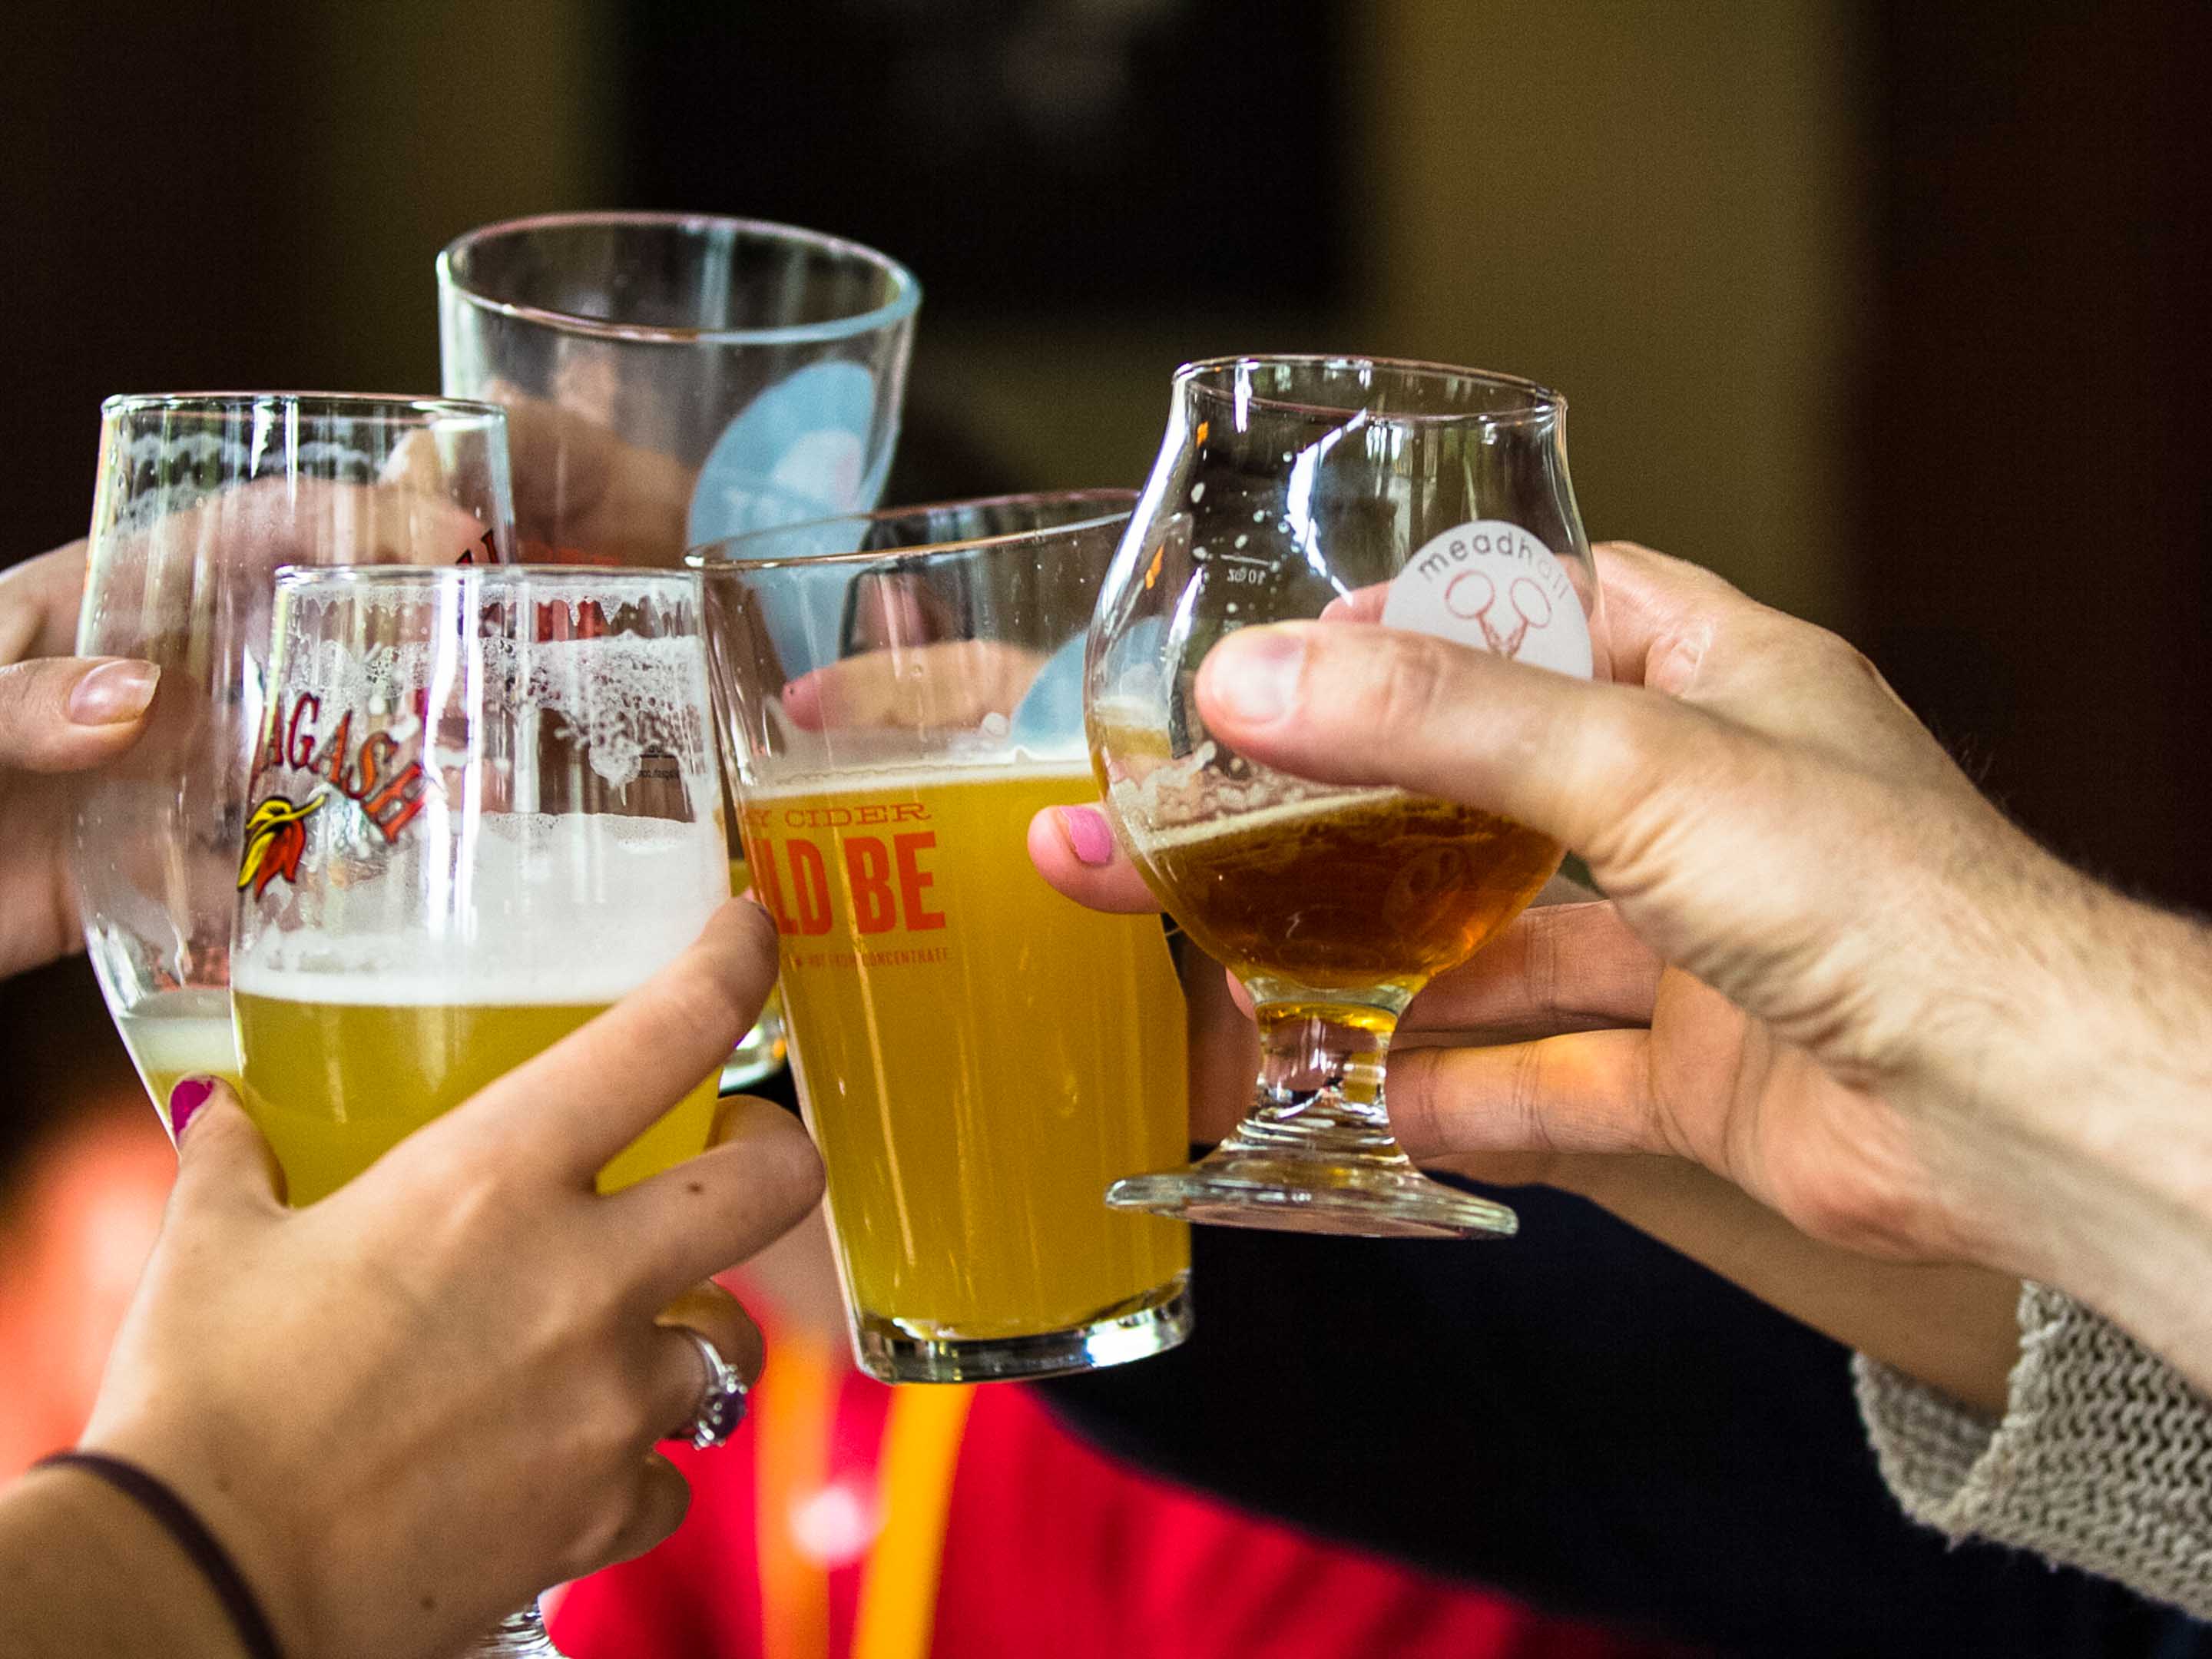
(1492, 585)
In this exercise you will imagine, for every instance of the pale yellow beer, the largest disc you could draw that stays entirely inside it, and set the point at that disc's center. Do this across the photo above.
(980, 1058)
(347, 1042)
(174, 1034)
(335, 1086)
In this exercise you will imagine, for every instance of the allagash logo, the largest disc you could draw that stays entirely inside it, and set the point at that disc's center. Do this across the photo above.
(276, 836)
(365, 772)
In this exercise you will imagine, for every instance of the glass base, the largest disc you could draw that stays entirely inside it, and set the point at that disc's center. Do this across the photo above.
(1153, 1323)
(1370, 1196)
(742, 1070)
(519, 1636)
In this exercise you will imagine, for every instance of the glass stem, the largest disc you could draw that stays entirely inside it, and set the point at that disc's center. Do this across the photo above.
(1320, 1084)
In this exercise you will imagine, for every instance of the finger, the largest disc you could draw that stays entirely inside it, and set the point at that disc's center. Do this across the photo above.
(64, 714)
(1592, 765)
(1559, 968)
(718, 1315)
(657, 1504)
(679, 1376)
(1074, 850)
(590, 1095)
(1662, 614)
(223, 1162)
(39, 603)
(1589, 1092)
(954, 682)
(756, 1182)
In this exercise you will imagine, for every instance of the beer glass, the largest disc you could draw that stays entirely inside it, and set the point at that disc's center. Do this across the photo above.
(677, 377)
(485, 804)
(976, 1056)
(199, 498)
(1344, 489)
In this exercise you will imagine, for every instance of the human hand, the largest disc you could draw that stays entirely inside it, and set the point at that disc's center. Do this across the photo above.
(59, 713)
(409, 1408)
(947, 684)
(1826, 970)
(580, 492)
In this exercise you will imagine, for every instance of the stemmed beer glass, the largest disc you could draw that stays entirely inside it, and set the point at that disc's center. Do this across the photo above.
(1339, 488)
(199, 498)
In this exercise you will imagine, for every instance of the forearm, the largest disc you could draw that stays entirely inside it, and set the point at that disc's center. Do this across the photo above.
(86, 1574)
(2088, 1149)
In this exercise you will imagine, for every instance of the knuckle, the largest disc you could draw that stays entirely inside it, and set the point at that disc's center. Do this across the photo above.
(1412, 1093)
(1407, 685)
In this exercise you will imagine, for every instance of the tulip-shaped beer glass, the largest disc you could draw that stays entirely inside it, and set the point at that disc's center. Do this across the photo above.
(200, 499)
(1338, 489)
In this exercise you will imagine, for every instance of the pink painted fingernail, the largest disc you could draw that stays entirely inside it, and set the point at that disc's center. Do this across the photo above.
(186, 1098)
(113, 692)
(1088, 837)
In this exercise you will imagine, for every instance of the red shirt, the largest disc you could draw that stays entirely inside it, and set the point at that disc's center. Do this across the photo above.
(1048, 1546)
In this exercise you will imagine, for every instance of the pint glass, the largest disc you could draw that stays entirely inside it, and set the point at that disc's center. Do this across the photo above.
(977, 1057)
(485, 804)
(1414, 495)
(198, 499)
(675, 377)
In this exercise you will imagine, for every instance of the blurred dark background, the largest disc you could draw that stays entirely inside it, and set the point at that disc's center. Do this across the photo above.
(1892, 313)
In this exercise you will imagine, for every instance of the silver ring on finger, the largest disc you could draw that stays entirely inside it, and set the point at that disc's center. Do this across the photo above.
(722, 1403)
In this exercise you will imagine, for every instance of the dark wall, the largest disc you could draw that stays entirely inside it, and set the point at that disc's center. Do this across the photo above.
(2036, 481)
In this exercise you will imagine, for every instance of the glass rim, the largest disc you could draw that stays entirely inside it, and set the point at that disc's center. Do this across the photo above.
(701, 559)
(906, 294)
(291, 576)
(1542, 402)
(322, 403)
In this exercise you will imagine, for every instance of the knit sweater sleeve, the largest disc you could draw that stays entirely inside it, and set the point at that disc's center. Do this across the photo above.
(2103, 1459)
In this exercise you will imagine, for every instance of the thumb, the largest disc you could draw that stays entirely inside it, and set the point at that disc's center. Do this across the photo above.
(64, 714)
(1588, 765)
(222, 1159)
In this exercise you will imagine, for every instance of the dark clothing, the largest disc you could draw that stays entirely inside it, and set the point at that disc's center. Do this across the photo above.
(1584, 1419)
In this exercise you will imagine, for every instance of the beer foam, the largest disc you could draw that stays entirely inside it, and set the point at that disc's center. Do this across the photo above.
(1285, 815)
(1205, 793)
(1021, 768)
(520, 935)
(625, 698)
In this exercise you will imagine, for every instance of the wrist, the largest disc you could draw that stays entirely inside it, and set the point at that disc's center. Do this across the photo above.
(259, 1538)
(2083, 1129)
(85, 1569)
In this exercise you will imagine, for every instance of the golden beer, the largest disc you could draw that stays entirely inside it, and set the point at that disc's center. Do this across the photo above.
(174, 1034)
(335, 1086)
(980, 1058)
(1382, 888)
(351, 1038)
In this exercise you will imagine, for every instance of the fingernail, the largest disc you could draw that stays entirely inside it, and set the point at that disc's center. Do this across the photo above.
(113, 692)
(1088, 837)
(185, 1099)
(1253, 673)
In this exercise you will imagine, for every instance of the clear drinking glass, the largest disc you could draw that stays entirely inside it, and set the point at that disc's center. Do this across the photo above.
(1343, 489)
(673, 378)
(199, 498)
(488, 805)
(977, 1057)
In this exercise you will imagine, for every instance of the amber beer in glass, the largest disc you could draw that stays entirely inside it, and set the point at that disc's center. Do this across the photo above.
(978, 1058)
(1334, 489)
